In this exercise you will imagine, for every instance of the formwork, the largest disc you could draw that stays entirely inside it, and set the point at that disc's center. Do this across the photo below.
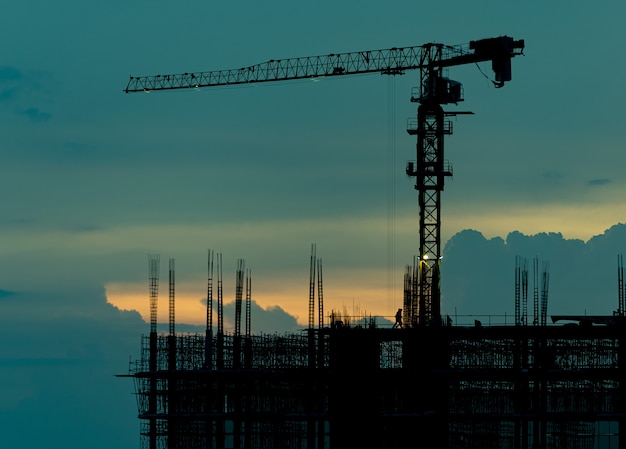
(552, 386)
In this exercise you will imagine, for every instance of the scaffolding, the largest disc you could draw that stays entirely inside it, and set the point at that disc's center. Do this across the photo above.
(488, 387)
(349, 383)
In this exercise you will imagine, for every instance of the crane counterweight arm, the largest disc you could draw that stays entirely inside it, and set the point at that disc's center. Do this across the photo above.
(393, 61)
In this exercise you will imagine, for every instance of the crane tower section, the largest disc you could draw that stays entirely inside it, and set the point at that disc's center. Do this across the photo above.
(430, 168)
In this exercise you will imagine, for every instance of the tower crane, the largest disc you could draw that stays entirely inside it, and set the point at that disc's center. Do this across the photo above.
(430, 168)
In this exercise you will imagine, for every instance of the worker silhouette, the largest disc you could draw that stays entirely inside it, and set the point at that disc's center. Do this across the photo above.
(398, 322)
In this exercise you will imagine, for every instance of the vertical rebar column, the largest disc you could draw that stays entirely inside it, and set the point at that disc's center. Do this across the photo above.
(172, 318)
(172, 396)
(544, 292)
(219, 362)
(311, 424)
(415, 296)
(153, 276)
(525, 292)
(408, 296)
(220, 314)
(620, 285)
(248, 303)
(238, 295)
(220, 295)
(518, 278)
(521, 291)
(535, 291)
(208, 342)
(521, 382)
(320, 294)
(312, 287)
(319, 403)
(320, 298)
(247, 351)
(153, 262)
(208, 349)
(237, 395)
(238, 299)
(247, 363)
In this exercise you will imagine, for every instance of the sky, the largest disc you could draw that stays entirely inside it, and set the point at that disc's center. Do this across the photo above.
(94, 180)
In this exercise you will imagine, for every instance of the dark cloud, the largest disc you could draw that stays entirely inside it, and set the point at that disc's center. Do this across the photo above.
(26, 91)
(376, 321)
(598, 182)
(273, 319)
(8, 93)
(478, 273)
(17, 223)
(59, 354)
(6, 293)
(36, 115)
(8, 89)
(9, 74)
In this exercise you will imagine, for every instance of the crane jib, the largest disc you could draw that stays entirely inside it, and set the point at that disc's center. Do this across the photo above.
(393, 61)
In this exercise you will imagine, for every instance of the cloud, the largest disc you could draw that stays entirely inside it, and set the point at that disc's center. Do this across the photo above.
(8, 93)
(25, 90)
(272, 319)
(478, 273)
(6, 293)
(599, 182)
(17, 223)
(59, 351)
(36, 115)
(9, 74)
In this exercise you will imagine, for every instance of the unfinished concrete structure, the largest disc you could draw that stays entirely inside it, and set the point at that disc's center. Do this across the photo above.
(339, 384)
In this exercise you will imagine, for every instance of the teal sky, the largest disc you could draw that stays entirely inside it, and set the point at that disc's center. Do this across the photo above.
(92, 179)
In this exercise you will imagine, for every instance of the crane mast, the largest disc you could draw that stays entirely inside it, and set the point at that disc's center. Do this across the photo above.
(430, 168)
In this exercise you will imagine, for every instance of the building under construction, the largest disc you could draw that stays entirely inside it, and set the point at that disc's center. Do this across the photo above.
(340, 384)
(426, 380)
